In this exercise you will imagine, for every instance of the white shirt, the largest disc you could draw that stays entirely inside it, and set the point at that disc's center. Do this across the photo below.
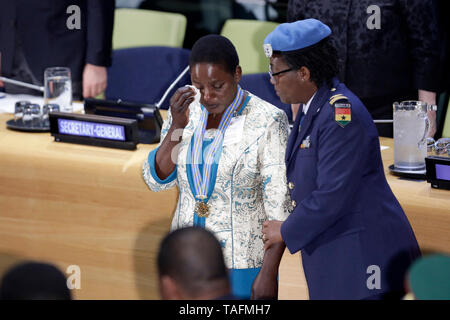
(306, 106)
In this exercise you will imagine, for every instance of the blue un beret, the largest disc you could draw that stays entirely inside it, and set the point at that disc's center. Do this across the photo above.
(295, 36)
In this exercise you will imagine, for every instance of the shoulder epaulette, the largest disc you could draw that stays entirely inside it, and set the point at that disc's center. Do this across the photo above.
(337, 97)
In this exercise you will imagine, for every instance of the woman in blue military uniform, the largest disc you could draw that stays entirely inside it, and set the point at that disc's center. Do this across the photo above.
(355, 239)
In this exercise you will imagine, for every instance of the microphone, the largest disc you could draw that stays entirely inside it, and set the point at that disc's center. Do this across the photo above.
(22, 84)
(158, 104)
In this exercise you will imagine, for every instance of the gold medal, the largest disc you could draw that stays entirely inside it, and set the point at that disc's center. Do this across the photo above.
(202, 209)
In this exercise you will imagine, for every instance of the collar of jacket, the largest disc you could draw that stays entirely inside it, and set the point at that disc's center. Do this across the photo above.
(295, 139)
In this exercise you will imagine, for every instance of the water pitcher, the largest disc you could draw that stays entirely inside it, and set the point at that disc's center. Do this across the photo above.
(411, 125)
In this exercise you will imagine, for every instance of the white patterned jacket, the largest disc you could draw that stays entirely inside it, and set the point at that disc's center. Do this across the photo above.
(250, 186)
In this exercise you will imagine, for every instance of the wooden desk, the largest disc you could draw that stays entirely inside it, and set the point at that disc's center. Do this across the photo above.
(79, 205)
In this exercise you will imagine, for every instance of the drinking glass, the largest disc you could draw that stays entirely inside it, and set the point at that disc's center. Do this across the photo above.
(35, 115)
(442, 147)
(27, 116)
(46, 109)
(58, 88)
(18, 110)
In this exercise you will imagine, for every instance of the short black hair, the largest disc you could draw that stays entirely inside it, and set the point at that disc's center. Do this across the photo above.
(215, 49)
(321, 60)
(193, 257)
(34, 281)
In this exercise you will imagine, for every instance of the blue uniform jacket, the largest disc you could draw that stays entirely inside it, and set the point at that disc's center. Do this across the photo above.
(355, 239)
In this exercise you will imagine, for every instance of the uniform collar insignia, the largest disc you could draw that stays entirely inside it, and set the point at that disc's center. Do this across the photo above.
(268, 50)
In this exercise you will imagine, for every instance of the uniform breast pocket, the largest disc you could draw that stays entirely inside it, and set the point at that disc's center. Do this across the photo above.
(306, 164)
(306, 152)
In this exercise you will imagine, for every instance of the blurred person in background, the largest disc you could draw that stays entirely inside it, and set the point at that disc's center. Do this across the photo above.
(389, 50)
(35, 35)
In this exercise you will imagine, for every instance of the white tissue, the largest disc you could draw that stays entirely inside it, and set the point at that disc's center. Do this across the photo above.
(197, 94)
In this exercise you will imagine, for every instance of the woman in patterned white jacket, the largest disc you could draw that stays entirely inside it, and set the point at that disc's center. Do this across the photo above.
(225, 153)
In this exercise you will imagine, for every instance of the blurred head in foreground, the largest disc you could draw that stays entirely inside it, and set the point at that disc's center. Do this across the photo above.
(34, 281)
(191, 266)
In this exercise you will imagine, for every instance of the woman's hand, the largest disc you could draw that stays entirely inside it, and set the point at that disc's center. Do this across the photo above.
(179, 106)
(271, 233)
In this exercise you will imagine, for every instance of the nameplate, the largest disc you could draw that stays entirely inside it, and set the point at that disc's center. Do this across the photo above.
(94, 130)
(438, 172)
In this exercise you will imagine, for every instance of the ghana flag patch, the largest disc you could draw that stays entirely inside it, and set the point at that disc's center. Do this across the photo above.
(343, 113)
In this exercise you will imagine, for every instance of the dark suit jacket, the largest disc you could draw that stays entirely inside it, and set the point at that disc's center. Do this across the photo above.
(346, 218)
(46, 39)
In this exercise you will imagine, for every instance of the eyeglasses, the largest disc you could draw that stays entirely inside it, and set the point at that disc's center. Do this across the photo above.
(273, 75)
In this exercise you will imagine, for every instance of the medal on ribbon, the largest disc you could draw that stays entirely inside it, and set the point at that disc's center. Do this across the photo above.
(202, 181)
(202, 209)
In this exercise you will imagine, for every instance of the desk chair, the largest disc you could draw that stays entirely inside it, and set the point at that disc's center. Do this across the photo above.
(143, 74)
(140, 28)
(259, 84)
(248, 38)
